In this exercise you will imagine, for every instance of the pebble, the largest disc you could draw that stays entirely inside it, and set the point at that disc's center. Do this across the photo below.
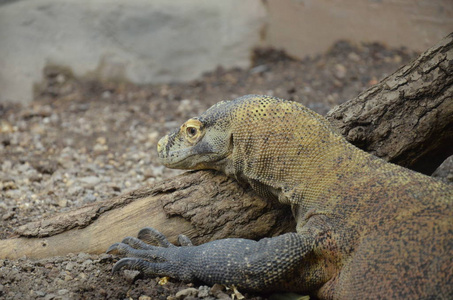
(62, 292)
(87, 263)
(340, 71)
(186, 292)
(354, 57)
(49, 296)
(82, 256)
(131, 275)
(203, 291)
(82, 276)
(40, 293)
(70, 266)
(89, 198)
(63, 203)
(90, 181)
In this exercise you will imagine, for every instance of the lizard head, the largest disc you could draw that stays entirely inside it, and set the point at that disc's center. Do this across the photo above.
(200, 143)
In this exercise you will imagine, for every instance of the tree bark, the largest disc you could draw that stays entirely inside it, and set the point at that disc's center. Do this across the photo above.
(407, 118)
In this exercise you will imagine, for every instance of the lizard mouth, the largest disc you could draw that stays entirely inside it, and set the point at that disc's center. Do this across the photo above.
(186, 158)
(175, 159)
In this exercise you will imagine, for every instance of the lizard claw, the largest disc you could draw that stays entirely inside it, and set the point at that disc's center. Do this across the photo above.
(152, 235)
(113, 249)
(124, 262)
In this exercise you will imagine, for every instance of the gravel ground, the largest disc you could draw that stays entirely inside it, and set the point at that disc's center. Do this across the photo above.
(82, 141)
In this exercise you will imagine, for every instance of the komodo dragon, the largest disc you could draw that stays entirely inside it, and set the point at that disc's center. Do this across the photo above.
(365, 228)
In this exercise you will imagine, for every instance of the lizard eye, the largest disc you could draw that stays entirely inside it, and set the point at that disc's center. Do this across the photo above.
(191, 131)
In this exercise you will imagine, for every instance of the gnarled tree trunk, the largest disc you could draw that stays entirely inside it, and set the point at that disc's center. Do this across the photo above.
(407, 118)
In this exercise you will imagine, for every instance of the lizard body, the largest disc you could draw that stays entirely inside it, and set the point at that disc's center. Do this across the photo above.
(365, 227)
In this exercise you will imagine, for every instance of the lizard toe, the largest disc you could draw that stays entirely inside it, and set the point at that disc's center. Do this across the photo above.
(136, 243)
(184, 241)
(113, 249)
(151, 235)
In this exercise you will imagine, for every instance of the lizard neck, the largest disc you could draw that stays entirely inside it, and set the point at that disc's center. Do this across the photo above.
(334, 166)
(299, 174)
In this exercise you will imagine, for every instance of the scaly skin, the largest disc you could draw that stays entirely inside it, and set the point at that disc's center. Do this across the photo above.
(365, 228)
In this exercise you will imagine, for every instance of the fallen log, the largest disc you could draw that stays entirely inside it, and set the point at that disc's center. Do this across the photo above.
(407, 118)
(203, 205)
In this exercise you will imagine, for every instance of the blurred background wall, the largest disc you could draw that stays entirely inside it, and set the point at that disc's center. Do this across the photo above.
(304, 27)
(144, 41)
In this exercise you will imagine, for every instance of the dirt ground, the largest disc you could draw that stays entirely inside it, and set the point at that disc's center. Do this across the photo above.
(83, 140)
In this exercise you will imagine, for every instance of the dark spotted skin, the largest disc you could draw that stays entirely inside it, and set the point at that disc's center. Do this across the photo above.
(365, 228)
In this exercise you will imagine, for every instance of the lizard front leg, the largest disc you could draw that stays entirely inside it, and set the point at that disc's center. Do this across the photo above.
(247, 264)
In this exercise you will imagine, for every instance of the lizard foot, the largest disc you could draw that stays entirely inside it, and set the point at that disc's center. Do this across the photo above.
(246, 264)
(142, 256)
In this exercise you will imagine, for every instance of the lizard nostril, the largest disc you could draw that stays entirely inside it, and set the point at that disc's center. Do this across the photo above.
(161, 144)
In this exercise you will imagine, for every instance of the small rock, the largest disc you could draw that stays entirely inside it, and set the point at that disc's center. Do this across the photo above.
(157, 170)
(9, 185)
(153, 136)
(186, 293)
(115, 187)
(6, 127)
(63, 203)
(70, 266)
(87, 263)
(260, 69)
(82, 276)
(60, 78)
(50, 296)
(90, 181)
(203, 291)
(340, 71)
(8, 215)
(82, 256)
(354, 56)
(62, 292)
(217, 291)
(40, 293)
(75, 190)
(100, 148)
(38, 129)
(13, 194)
(373, 81)
(144, 297)
(101, 140)
(89, 198)
(7, 165)
(397, 59)
(131, 275)
(106, 94)
(68, 277)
